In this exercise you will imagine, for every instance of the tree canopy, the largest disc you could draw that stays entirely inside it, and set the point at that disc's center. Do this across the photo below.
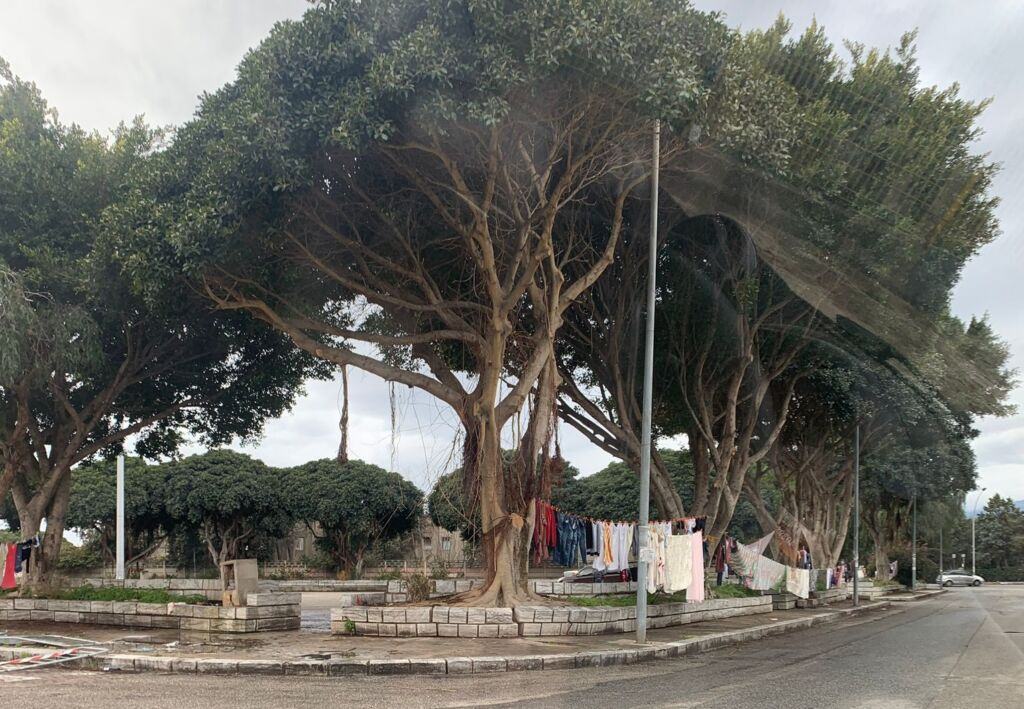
(85, 360)
(93, 507)
(231, 498)
(351, 506)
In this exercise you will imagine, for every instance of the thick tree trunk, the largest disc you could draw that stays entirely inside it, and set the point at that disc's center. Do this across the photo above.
(43, 562)
(881, 558)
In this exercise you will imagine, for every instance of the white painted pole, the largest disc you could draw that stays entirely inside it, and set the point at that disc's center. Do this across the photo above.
(643, 562)
(119, 572)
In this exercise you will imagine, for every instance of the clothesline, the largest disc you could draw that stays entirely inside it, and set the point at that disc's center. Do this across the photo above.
(588, 518)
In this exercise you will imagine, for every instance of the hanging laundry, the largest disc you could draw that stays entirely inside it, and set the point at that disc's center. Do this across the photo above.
(695, 592)
(679, 562)
(8, 581)
(798, 582)
(598, 533)
(758, 571)
(608, 543)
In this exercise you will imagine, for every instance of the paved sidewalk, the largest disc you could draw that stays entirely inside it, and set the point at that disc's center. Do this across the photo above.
(313, 653)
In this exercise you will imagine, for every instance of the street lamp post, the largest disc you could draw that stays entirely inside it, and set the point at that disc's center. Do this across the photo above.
(974, 515)
(643, 560)
(913, 548)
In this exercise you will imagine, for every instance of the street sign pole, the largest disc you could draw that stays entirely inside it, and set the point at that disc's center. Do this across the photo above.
(856, 516)
(644, 555)
(119, 570)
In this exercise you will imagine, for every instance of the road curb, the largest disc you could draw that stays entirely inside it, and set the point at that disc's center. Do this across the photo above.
(451, 665)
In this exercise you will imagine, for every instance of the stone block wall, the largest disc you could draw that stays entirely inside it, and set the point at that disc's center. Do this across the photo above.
(266, 611)
(531, 621)
(537, 621)
(425, 621)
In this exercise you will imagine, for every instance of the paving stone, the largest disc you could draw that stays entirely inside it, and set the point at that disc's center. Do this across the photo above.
(345, 668)
(456, 615)
(426, 630)
(468, 631)
(389, 630)
(153, 664)
(529, 630)
(476, 616)
(508, 630)
(260, 667)
(273, 599)
(439, 614)
(428, 666)
(417, 615)
(498, 615)
(406, 630)
(305, 667)
(394, 615)
(459, 665)
(559, 662)
(487, 631)
(447, 630)
(197, 611)
(216, 667)
(390, 667)
(489, 664)
(183, 665)
(525, 662)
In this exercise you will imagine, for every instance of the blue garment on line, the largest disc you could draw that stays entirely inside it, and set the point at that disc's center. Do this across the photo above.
(572, 540)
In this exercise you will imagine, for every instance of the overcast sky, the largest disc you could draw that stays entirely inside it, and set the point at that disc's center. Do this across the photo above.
(103, 61)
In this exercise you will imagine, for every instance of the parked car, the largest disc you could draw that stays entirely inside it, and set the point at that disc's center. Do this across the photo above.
(959, 577)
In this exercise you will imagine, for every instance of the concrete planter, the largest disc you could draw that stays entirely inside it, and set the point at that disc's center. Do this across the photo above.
(265, 612)
(531, 621)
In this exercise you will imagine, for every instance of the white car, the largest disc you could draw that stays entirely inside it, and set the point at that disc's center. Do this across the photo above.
(959, 578)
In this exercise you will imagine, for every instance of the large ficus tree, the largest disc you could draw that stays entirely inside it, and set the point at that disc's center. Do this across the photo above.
(351, 506)
(867, 217)
(92, 509)
(231, 500)
(405, 187)
(85, 359)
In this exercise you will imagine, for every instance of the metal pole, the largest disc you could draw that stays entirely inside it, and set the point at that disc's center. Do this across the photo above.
(645, 439)
(856, 516)
(940, 549)
(119, 569)
(974, 516)
(913, 548)
(974, 567)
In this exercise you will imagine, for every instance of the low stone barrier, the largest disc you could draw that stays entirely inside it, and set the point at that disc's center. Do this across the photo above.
(564, 588)
(208, 588)
(264, 612)
(822, 598)
(531, 621)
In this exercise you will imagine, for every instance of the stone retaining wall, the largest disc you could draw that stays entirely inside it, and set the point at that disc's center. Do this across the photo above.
(531, 621)
(264, 612)
(822, 598)
(209, 588)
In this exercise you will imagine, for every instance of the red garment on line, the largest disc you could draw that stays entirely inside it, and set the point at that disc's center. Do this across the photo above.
(8, 583)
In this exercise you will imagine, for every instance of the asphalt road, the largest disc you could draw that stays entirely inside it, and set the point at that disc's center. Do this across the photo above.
(962, 649)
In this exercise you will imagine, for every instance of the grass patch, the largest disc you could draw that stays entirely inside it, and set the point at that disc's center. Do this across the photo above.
(141, 595)
(732, 590)
(653, 599)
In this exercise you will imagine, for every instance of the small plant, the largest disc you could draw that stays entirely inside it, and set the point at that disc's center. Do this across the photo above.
(418, 587)
(389, 576)
(438, 569)
(350, 627)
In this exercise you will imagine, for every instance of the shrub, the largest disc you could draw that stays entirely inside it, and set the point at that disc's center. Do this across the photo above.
(418, 587)
(438, 569)
(74, 558)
